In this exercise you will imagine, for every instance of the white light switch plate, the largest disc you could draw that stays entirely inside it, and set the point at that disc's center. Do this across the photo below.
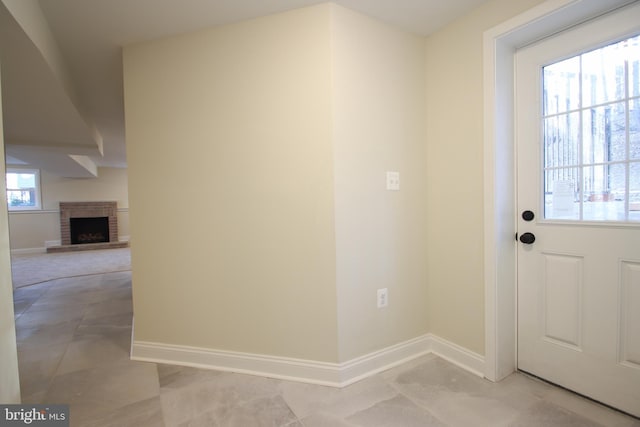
(383, 298)
(393, 181)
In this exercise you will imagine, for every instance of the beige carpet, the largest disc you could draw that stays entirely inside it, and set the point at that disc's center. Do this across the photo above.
(37, 268)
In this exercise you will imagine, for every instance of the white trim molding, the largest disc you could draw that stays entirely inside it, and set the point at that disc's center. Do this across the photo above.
(460, 356)
(308, 371)
(28, 251)
(36, 212)
(57, 211)
(499, 46)
(49, 244)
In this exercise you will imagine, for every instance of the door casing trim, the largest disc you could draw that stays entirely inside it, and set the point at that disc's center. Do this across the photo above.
(499, 46)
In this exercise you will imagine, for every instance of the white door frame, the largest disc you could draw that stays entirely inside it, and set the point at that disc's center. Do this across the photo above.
(500, 44)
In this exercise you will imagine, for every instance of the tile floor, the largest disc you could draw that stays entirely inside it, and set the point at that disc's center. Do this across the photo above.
(73, 345)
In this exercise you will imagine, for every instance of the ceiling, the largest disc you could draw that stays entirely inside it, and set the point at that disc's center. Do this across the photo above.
(87, 38)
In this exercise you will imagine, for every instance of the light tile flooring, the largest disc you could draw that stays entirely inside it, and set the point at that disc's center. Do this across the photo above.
(73, 344)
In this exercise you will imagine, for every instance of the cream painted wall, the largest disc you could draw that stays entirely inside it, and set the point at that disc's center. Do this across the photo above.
(297, 117)
(31, 229)
(378, 126)
(235, 251)
(10, 384)
(110, 185)
(455, 167)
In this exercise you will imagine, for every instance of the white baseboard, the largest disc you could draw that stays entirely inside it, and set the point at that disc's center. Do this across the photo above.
(245, 363)
(48, 244)
(364, 366)
(27, 251)
(308, 371)
(460, 356)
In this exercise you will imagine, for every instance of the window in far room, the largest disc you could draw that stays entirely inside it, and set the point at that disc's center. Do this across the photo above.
(23, 189)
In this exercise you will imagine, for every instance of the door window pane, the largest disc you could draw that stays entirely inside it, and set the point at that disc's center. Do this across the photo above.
(561, 137)
(604, 133)
(562, 194)
(634, 129)
(633, 47)
(634, 191)
(604, 192)
(562, 86)
(603, 75)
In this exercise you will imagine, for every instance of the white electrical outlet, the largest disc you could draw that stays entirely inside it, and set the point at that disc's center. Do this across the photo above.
(383, 297)
(393, 181)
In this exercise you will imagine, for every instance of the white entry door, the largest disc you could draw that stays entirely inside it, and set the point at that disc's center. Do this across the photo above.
(578, 149)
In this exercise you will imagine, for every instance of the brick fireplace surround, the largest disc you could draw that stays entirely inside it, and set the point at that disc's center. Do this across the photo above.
(70, 210)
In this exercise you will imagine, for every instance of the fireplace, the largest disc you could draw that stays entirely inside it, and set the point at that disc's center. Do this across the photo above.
(92, 213)
(89, 230)
(87, 226)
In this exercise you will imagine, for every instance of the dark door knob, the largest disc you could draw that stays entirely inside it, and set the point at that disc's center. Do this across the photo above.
(528, 215)
(527, 238)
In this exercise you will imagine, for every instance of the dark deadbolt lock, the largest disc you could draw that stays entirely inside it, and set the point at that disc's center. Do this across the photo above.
(527, 238)
(528, 215)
